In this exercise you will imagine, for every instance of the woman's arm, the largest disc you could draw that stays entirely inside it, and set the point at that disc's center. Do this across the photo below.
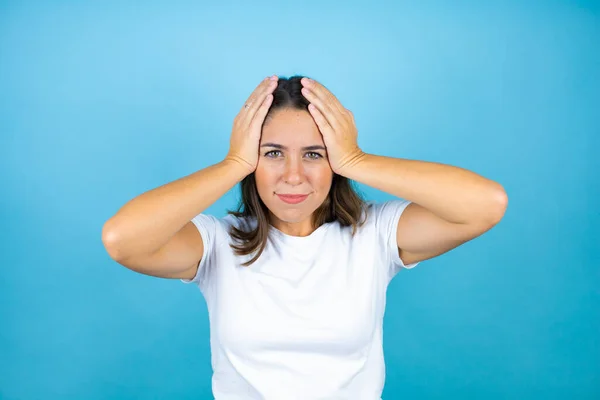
(146, 223)
(450, 206)
(451, 193)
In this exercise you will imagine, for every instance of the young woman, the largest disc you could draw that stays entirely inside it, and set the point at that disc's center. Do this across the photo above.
(295, 280)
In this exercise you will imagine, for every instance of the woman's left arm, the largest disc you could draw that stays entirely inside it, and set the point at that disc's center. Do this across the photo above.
(450, 205)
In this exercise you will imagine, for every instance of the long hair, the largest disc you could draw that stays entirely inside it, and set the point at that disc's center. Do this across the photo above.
(343, 203)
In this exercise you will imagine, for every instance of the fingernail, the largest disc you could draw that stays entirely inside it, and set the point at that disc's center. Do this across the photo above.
(274, 78)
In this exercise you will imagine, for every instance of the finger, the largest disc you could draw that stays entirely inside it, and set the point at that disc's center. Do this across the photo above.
(329, 113)
(324, 126)
(259, 116)
(255, 95)
(256, 98)
(322, 92)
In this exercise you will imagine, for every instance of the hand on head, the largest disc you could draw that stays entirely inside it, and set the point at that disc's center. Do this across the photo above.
(336, 125)
(245, 135)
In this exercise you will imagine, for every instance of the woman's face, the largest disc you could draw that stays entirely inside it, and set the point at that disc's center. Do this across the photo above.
(292, 160)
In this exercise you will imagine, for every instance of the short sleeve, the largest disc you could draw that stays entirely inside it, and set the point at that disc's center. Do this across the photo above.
(387, 215)
(207, 226)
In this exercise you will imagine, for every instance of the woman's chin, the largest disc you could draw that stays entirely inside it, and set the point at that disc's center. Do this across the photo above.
(292, 216)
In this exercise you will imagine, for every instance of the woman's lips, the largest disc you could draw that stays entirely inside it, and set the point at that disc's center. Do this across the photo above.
(293, 199)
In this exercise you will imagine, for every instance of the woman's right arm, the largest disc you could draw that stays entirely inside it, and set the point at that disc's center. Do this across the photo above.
(153, 233)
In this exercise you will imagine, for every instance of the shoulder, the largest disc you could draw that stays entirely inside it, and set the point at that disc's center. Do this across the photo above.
(219, 227)
(224, 221)
(375, 215)
(242, 223)
(378, 212)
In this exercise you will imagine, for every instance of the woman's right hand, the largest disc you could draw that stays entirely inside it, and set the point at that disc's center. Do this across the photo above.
(247, 126)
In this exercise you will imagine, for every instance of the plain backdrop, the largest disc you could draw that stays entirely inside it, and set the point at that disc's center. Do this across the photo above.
(102, 101)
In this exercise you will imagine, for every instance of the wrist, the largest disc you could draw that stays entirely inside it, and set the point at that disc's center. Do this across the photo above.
(351, 164)
(239, 166)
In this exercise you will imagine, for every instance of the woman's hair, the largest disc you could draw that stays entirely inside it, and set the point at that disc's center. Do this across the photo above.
(343, 203)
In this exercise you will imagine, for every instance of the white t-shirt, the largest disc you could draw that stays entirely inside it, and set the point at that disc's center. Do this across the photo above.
(305, 320)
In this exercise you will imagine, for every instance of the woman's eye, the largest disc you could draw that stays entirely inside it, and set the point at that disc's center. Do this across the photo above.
(275, 153)
(314, 155)
(269, 153)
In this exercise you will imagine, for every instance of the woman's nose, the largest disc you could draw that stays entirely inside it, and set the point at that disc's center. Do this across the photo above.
(294, 171)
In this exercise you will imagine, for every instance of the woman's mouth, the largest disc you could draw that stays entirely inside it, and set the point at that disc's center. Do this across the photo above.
(292, 198)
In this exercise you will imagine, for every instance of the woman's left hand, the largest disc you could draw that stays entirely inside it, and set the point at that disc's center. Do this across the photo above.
(336, 125)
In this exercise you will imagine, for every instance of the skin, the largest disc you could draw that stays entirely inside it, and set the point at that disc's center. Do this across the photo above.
(292, 169)
(450, 205)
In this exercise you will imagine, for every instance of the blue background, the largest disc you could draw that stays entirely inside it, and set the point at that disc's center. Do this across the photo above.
(102, 101)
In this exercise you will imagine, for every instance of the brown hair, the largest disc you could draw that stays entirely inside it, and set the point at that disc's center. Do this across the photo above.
(343, 203)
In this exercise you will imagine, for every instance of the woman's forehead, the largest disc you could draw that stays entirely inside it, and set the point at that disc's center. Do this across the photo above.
(292, 129)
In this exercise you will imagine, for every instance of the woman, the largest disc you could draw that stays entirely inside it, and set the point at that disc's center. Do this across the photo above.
(295, 280)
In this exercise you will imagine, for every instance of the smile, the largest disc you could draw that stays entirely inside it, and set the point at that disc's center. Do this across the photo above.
(293, 199)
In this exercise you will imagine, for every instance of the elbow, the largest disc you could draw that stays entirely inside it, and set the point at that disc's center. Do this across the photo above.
(498, 206)
(110, 241)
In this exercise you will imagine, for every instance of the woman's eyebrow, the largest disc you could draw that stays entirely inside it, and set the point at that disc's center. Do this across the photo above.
(279, 146)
